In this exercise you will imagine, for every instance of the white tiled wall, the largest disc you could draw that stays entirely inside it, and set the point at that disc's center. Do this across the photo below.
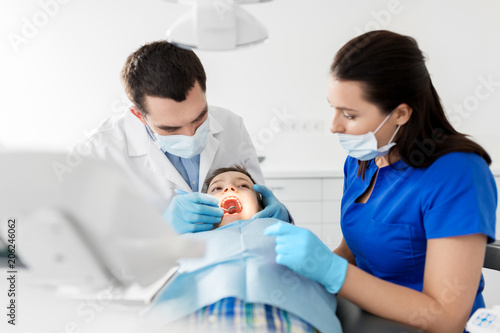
(315, 204)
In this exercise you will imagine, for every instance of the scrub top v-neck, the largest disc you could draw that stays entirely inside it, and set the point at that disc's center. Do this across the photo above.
(388, 234)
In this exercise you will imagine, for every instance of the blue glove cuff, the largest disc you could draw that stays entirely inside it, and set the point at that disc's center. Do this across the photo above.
(335, 277)
(289, 217)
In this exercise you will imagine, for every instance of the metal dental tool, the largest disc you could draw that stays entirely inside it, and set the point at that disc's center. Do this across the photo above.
(230, 210)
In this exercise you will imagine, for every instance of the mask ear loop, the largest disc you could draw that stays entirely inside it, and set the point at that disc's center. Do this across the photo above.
(379, 126)
(151, 129)
(155, 136)
(148, 153)
(382, 124)
(396, 132)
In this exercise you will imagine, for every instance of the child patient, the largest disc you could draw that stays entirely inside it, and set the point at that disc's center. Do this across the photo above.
(233, 186)
(237, 286)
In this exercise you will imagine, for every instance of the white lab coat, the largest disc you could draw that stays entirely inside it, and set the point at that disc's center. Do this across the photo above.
(125, 141)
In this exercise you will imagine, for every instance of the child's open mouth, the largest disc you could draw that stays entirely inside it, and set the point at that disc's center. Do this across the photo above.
(231, 205)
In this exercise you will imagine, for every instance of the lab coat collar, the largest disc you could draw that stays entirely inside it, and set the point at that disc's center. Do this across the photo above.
(139, 143)
(141, 147)
(215, 127)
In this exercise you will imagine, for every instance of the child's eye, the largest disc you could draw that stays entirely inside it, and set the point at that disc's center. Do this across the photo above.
(215, 189)
(245, 186)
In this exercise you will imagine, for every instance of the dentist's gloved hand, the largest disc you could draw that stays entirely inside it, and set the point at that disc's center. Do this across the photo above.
(272, 206)
(193, 212)
(301, 251)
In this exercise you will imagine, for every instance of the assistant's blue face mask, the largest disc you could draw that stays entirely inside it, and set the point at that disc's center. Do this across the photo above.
(364, 147)
(182, 145)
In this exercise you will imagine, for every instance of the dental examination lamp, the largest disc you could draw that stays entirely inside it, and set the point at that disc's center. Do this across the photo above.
(82, 226)
(216, 25)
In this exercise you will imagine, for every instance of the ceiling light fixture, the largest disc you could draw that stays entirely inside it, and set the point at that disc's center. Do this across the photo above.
(216, 25)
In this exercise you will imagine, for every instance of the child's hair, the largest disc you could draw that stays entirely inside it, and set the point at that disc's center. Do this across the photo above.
(234, 168)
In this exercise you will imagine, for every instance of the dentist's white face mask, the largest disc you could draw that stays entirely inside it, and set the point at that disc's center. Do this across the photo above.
(183, 145)
(365, 147)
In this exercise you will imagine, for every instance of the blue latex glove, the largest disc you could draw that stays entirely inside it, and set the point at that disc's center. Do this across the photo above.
(304, 253)
(272, 206)
(193, 212)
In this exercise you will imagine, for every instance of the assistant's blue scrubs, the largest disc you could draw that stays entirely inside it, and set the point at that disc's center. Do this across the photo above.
(454, 196)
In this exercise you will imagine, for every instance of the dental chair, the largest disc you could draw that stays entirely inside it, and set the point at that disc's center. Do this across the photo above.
(492, 257)
(356, 320)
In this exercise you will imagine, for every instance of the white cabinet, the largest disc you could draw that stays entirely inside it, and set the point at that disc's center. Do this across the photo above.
(293, 189)
(332, 189)
(314, 204)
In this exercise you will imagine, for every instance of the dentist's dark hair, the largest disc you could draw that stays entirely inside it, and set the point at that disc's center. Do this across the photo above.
(391, 69)
(161, 69)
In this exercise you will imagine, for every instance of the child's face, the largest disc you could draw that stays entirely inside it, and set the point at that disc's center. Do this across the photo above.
(234, 189)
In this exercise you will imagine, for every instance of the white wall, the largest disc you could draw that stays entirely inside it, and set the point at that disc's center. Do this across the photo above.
(63, 78)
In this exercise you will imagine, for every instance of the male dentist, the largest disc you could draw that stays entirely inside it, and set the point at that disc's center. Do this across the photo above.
(170, 139)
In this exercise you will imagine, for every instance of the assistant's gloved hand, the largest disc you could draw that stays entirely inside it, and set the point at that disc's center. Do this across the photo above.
(193, 212)
(272, 206)
(304, 253)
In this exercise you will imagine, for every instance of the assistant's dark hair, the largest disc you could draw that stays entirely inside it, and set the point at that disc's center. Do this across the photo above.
(235, 168)
(391, 69)
(161, 69)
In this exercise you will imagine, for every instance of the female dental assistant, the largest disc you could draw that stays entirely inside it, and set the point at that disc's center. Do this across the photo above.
(419, 199)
